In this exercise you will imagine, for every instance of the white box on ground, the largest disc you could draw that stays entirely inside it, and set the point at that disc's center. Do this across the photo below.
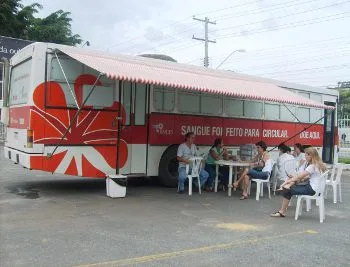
(113, 188)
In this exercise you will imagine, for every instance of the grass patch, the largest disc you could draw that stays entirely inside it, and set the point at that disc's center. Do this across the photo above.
(344, 160)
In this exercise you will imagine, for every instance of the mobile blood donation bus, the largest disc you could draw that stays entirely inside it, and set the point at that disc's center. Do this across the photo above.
(85, 113)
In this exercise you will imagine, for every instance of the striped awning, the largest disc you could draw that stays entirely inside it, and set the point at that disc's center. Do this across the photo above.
(187, 77)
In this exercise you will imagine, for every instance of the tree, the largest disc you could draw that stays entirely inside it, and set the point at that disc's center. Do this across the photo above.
(344, 102)
(20, 22)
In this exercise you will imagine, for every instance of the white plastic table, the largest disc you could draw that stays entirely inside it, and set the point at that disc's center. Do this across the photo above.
(230, 164)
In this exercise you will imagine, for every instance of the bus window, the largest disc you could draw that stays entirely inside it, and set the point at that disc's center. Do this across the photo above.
(102, 96)
(140, 104)
(272, 111)
(189, 102)
(286, 113)
(253, 109)
(315, 115)
(72, 69)
(211, 104)
(303, 114)
(20, 82)
(234, 107)
(164, 99)
(127, 91)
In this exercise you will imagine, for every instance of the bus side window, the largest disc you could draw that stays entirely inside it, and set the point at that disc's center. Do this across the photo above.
(189, 102)
(234, 107)
(272, 111)
(127, 92)
(164, 99)
(140, 104)
(19, 83)
(286, 115)
(316, 114)
(303, 114)
(253, 109)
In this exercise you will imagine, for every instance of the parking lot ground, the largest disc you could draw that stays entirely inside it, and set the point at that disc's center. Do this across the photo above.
(52, 220)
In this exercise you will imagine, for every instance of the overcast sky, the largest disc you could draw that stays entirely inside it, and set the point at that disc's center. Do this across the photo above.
(303, 41)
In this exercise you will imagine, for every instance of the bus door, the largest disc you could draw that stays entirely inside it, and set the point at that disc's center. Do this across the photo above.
(328, 136)
(134, 131)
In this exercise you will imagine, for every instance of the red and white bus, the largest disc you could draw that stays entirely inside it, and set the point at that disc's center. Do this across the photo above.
(91, 114)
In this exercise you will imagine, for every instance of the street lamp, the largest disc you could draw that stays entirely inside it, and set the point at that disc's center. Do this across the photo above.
(234, 51)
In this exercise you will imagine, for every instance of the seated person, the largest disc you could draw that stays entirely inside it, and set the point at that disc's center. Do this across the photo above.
(262, 168)
(282, 159)
(217, 152)
(184, 153)
(312, 173)
(299, 154)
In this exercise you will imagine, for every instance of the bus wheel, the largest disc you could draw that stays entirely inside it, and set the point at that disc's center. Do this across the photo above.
(168, 167)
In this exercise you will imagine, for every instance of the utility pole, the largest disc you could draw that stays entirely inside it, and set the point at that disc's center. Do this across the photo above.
(206, 39)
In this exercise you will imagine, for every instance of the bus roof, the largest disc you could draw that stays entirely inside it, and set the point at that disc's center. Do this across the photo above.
(189, 77)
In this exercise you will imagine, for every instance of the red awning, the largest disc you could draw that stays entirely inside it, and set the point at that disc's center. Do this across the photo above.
(187, 77)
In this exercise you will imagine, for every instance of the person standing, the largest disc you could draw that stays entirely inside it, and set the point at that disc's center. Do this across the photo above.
(185, 152)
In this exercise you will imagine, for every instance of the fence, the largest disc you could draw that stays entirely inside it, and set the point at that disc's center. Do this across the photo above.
(2, 132)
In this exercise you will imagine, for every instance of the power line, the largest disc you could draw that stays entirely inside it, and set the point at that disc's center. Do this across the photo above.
(305, 70)
(259, 10)
(226, 8)
(294, 62)
(284, 16)
(206, 39)
(289, 25)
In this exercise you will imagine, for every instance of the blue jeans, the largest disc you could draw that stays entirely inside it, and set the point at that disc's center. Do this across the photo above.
(203, 177)
(298, 190)
(211, 169)
(254, 174)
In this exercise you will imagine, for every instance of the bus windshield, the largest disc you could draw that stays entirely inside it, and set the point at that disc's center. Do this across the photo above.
(80, 79)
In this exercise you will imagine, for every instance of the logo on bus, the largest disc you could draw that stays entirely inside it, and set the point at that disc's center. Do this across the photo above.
(160, 129)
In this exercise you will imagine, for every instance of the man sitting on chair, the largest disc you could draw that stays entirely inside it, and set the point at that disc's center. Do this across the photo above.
(185, 151)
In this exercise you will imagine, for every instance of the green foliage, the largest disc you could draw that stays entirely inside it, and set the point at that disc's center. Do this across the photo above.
(344, 160)
(344, 102)
(19, 22)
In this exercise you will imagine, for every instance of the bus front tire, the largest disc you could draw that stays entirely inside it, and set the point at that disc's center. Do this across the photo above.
(168, 167)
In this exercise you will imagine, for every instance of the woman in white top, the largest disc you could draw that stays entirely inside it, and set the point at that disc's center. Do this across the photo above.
(299, 154)
(313, 173)
(262, 168)
(282, 159)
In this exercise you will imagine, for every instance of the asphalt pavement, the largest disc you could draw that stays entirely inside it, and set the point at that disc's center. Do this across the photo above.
(54, 220)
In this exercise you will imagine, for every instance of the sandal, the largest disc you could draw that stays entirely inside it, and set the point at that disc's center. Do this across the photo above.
(277, 214)
(243, 197)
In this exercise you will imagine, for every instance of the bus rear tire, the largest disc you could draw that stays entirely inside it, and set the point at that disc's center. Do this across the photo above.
(168, 167)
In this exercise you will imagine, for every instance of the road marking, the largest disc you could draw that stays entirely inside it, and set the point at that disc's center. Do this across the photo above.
(169, 255)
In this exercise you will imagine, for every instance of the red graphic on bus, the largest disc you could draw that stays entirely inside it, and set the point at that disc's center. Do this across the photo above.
(89, 148)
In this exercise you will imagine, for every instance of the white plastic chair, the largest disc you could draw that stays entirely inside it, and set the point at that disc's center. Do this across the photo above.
(193, 172)
(318, 196)
(335, 182)
(260, 185)
(289, 168)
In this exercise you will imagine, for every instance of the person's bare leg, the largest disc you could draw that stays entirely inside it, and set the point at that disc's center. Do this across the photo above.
(244, 173)
(245, 185)
(284, 207)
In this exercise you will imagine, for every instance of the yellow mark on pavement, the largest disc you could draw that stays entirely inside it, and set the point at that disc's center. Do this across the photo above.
(311, 232)
(169, 255)
(238, 227)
